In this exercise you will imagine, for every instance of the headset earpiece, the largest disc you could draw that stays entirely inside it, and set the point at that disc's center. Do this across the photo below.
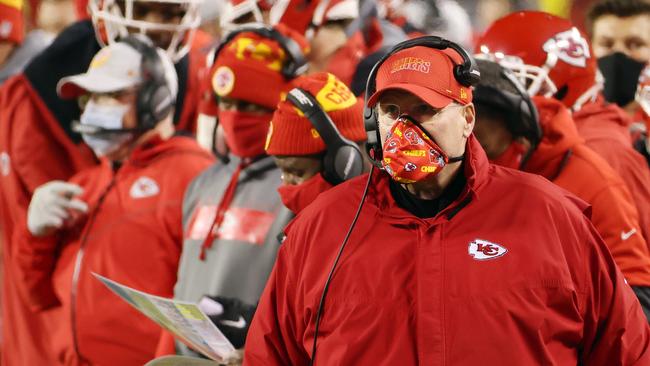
(343, 159)
(155, 100)
(527, 111)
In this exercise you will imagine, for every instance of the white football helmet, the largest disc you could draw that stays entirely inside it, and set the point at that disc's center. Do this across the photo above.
(113, 19)
(235, 9)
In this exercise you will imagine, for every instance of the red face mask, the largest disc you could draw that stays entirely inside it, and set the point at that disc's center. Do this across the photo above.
(512, 157)
(245, 132)
(297, 197)
(410, 155)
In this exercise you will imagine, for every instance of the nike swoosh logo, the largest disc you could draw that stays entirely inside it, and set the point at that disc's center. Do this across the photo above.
(625, 236)
(239, 324)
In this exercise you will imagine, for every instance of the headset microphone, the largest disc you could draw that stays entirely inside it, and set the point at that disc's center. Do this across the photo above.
(98, 131)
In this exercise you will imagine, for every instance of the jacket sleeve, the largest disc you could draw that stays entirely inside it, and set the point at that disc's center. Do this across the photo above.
(617, 221)
(275, 336)
(38, 151)
(616, 331)
(34, 261)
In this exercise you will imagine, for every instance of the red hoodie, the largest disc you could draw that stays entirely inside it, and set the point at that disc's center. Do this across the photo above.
(132, 234)
(511, 273)
(605, 128)
(563, 158)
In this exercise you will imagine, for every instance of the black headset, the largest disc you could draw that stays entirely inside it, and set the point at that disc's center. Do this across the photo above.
(154, 101)
(466, 73)
(343, 159)
(295, 64)
(524, 122)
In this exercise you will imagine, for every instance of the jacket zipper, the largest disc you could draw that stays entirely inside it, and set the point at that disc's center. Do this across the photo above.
(77, 269)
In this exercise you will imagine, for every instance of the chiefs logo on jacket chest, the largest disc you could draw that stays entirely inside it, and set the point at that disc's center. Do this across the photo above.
(483, 249)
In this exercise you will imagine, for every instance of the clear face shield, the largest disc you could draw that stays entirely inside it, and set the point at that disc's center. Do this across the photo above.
(170, 24)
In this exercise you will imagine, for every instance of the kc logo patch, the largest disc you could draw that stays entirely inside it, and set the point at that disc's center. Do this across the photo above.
(223, 81)
(483, 250)
(144, 187)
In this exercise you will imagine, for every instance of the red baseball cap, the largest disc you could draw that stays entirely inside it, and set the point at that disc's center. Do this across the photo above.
(425, 72)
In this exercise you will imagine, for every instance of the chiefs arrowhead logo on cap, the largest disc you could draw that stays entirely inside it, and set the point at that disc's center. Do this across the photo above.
(570, 47)
(483, 249)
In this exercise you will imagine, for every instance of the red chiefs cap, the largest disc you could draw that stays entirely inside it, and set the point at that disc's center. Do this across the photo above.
(425, 72)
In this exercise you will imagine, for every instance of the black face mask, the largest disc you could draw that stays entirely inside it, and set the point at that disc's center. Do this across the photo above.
(621, 77)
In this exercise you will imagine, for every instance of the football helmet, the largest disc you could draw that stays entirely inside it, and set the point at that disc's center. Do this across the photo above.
(114, 19)
(235, 9)
(550, 56)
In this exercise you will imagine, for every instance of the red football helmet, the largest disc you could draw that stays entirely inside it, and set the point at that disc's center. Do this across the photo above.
(547, 53)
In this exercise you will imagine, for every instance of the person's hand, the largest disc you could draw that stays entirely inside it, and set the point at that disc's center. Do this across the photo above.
(230, 315)
(236, 359)
(52, 205)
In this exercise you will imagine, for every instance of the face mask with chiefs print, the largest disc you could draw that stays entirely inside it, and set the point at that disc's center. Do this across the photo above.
(410, 155)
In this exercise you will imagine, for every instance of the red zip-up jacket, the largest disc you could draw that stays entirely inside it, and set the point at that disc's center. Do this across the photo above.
(511, 273)
(605, 128)
(37, 146)
(563, 158)
(133, 234)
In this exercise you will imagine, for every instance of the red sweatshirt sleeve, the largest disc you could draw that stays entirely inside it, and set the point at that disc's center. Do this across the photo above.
(617, 221)
(34, 261)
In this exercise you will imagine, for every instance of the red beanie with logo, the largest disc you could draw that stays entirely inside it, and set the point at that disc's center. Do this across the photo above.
(291, 133)
(249, 68)
(11, 21)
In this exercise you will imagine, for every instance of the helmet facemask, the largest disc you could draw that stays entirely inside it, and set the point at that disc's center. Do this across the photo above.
(536, 79)
(115, 19)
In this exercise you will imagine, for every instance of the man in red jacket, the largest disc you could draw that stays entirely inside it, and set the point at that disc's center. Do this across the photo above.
(37, 143)
(121, 219)
(556, 62)
(444, 264)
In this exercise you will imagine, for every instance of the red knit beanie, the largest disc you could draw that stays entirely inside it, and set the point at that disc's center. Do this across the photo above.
(249, 68)
(11, 21)
(291, 133)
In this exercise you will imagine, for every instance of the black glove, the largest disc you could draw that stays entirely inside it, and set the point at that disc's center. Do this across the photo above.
(234, 320)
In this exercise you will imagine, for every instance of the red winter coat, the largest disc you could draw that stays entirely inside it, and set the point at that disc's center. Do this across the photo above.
(36, 147)
(563, 158)
(511, 273)
(605, 128)
(132, 234)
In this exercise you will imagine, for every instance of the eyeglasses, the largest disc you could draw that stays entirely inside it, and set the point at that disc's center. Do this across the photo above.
(421, 112)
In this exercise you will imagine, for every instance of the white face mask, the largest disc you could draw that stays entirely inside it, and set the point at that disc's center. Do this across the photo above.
(109, 117)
